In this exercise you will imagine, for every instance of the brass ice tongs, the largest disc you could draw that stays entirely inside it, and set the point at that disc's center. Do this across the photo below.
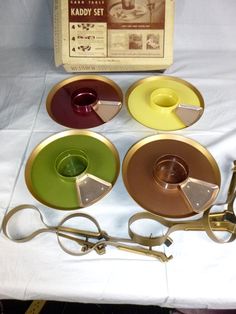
(88, 240)
(210, 222)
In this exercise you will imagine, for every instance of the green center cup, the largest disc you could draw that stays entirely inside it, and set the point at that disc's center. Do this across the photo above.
(71, 164)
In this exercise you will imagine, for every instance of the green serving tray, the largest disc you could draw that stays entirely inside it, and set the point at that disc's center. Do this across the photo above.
(72, 169)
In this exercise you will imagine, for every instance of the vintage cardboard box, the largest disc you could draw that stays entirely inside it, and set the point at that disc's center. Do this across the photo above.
(113, 35)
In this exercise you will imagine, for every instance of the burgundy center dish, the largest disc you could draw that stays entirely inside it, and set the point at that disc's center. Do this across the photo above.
(84, 101)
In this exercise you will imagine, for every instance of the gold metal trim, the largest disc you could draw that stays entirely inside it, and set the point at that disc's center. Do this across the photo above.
(62, 83)
(57, 136)
(135, 147)
(163, 78)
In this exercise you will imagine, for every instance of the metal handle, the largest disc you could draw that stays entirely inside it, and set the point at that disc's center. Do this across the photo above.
(15, 210)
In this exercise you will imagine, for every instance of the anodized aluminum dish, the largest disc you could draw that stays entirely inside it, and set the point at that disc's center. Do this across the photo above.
(72, 169)
(171, 176)
(84, 101)
(164, 103)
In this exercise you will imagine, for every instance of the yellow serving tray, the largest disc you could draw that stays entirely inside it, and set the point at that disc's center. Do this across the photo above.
(164, 103)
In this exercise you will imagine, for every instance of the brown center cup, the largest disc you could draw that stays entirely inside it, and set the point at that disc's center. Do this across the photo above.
(169, 171)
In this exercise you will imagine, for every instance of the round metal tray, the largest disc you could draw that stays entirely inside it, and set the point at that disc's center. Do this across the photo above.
(72, 169)
(171, 176)
(84, 101)
(164, 103)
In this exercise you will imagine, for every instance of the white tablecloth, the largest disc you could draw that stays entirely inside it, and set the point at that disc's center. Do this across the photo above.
(202, 273)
